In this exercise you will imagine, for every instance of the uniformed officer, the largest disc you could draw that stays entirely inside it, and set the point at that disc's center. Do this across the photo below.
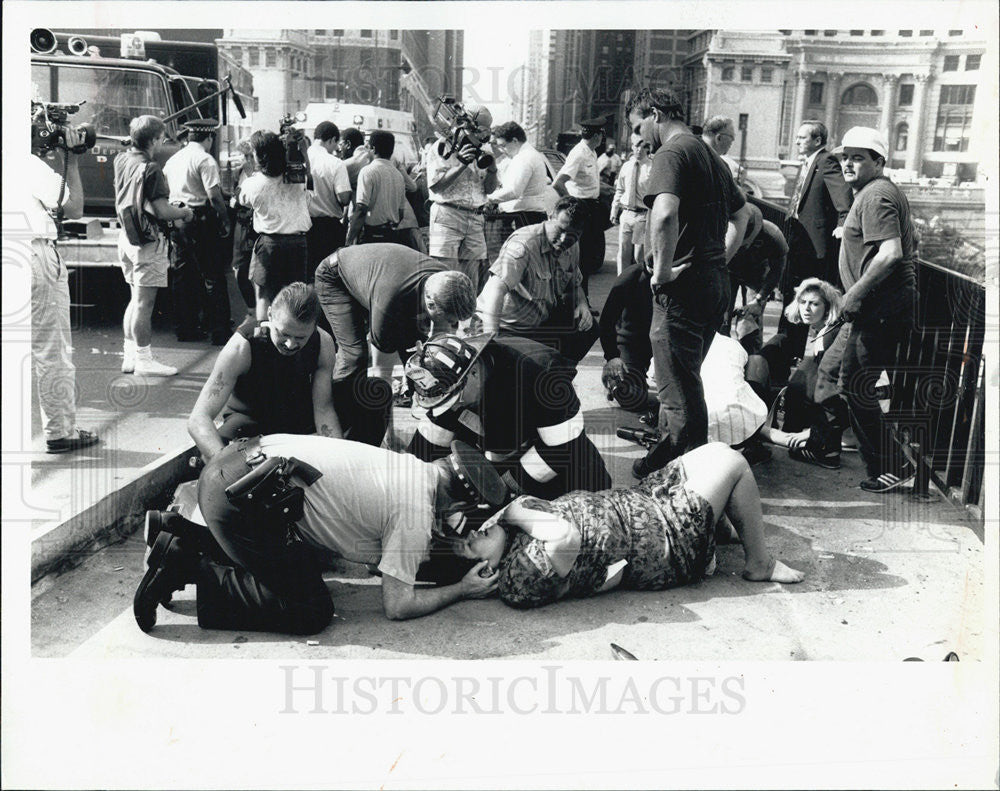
(198, 274)
(579, 177)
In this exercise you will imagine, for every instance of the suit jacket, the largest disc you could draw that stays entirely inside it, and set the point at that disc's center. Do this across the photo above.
(824, 202)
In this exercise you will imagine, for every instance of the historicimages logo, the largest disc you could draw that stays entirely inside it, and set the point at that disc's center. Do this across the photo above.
(314, 689)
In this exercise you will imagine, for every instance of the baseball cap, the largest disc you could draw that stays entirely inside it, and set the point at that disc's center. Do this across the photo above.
(479, 114)
(864, 137)
(437, 370)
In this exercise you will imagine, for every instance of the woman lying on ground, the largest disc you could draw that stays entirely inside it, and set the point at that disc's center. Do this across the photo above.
(657, 534)
(811, 431)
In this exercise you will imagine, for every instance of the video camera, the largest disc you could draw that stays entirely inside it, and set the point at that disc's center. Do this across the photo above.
(296, 171)
(49, 123)
(456, 126)
(640, 436)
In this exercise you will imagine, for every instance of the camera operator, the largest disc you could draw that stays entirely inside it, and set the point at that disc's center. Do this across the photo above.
(330, 197)
(51, 342)
(198, 277)
(280, 217)
(145, 264)
(458, 190)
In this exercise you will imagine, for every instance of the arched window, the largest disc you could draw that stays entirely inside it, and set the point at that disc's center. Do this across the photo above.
(902, 137)
(860, 95)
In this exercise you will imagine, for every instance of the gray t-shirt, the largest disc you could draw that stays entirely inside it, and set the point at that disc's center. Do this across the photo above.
(371, 505)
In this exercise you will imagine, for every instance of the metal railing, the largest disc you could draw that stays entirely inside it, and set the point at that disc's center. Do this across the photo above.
(938, 386)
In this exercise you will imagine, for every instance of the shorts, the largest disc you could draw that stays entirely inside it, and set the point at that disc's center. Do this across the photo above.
(145, 266)
(278, 259)
(456, 233)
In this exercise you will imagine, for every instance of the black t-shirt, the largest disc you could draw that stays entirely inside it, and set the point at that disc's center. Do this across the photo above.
(628, 314)
(762, 260)
(528, 386)
(388, 281)
(686, 167)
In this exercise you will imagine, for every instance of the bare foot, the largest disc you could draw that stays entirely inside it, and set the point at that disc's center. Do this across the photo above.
(775, 572)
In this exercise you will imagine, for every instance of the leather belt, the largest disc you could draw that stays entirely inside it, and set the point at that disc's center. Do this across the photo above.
(469, 209)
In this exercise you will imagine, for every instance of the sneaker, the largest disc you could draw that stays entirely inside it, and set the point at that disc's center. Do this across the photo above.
(170, 568)
(83, 439)
(151, 367)
(886, 482)
(828, 461)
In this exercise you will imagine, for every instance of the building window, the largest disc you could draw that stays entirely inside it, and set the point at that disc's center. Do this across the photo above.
(366, 34)
(878, 33)
(905, 95)
(727, 73)
(829, 33)
(857, 32)
(270, 57)
(860, 96)
(950, 63)
(926, 32)
(810, 32)
(902, 137)
(237, 54)
(254, 57)
(746, 74)
(766, 74)
(954, 32)
(394, 35)
(972, 62)
(906, 34)
(815, 93)
(338, 33)
(320, 32)
(954, 117)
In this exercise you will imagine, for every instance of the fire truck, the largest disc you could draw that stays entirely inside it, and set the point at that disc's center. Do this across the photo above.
(113, 80)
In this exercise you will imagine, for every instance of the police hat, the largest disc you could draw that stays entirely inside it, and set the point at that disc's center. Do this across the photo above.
(594, 124)
(201, 125)
(473, 479)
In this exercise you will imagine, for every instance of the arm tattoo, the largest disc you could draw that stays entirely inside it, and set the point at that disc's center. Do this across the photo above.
(218, 385)
(326, 431)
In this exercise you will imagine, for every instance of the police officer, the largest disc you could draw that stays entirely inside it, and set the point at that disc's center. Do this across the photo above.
(275, 505)
(198, 276)
(579, 177)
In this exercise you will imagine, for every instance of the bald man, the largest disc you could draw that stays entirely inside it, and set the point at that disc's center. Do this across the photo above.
(458, 188)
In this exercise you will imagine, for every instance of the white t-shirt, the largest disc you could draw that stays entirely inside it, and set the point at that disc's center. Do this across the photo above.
(190, 174)
(735, 411)
(329, 177)
(42, 194)
(371, 505)
(466, 190)
(278, 207)
(581, 167)
(523, 182)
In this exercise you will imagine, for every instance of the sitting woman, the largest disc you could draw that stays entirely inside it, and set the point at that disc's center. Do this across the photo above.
(811, 431)
(657, 534)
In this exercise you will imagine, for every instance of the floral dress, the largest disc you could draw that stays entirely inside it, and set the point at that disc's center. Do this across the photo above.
(664, 531)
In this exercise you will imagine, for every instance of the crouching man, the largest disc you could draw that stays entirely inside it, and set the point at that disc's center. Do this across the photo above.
(272, 377)
(274, 505)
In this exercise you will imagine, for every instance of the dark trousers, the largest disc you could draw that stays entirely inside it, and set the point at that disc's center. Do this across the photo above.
(559, 332)
(348, 321)
(271, 584)
(244, 237)
(686, 316)
(198, 275)
(326, 236)
(592, 241)
(865, 351)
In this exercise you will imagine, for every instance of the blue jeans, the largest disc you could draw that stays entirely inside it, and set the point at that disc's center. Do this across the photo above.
(686, 316)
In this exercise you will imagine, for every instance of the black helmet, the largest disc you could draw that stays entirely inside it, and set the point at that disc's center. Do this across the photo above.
(437, 370)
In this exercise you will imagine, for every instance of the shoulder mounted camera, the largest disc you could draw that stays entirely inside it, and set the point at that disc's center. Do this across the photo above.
(291, 139)
(49, 123)
(459, 130)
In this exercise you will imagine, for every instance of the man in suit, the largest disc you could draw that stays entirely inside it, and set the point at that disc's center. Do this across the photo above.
(816, 214)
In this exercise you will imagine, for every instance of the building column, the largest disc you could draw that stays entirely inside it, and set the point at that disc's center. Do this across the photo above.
(889, 83)
(799, 108)
(915, 145)
(832, 103)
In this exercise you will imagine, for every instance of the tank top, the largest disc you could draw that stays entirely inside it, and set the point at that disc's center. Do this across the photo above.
(277, 390)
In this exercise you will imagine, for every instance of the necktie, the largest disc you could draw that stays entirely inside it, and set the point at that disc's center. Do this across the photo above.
(797, 194)
(634, 192)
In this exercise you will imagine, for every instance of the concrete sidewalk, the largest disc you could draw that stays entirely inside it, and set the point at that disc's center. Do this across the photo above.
(887, 576)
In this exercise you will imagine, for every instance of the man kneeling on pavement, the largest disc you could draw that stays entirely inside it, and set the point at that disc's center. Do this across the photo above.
(275, 505)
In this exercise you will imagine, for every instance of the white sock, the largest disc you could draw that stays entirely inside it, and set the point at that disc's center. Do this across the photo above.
(129, 347)
(143, 352)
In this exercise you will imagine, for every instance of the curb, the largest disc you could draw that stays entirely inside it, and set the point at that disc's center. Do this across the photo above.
(112, 518)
